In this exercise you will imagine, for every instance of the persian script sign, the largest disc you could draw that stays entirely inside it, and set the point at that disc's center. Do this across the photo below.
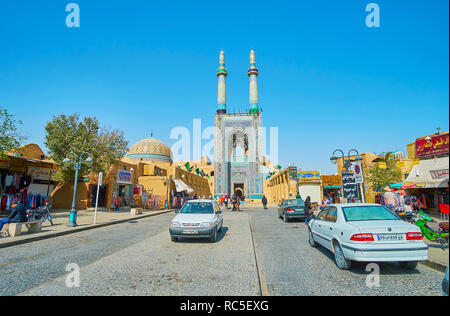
(349, 186)
(123, 177)
(436, 146)
(439, 174)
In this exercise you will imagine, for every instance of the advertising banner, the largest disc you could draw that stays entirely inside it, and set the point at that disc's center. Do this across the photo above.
(436, 146)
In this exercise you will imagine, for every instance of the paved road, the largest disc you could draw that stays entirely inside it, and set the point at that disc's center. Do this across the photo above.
(292, 267)
(138, 258)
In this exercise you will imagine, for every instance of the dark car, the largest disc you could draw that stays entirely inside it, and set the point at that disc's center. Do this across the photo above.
(291, 209)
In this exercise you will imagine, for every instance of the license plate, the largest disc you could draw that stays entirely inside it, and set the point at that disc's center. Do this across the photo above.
(190, 232)
(391, 237)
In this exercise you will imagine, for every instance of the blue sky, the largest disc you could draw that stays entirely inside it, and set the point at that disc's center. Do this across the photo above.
(326, 80)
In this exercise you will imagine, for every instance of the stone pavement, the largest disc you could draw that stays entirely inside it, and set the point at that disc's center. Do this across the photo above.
(436, 253)
(85, 221)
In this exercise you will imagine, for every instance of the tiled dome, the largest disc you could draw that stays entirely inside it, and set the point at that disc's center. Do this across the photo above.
(150, 149)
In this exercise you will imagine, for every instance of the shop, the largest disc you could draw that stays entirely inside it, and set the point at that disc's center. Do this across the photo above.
(122, 191)
(429, 182)
(331, 187)
(309, 184)
(25, 180)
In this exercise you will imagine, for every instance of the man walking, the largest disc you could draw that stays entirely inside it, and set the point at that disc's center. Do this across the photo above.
(264, 202)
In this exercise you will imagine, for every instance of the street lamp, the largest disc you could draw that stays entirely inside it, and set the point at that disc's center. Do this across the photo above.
(346, 162)
(77, 162)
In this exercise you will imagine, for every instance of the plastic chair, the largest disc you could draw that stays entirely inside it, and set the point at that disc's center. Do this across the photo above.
(444, 211)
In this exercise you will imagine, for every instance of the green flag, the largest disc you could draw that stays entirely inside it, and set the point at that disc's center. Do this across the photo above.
(188, 167)
(278, 167)
(197, 171)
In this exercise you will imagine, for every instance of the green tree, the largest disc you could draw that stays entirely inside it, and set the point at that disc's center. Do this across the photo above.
(9, 138)
(382, 177)
(66, 134)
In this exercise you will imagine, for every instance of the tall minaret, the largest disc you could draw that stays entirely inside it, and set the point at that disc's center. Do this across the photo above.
(253, 73)
(222, 94)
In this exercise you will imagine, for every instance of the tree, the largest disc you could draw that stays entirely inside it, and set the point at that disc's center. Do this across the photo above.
(66, 134)
(9, 138)
(382, 177)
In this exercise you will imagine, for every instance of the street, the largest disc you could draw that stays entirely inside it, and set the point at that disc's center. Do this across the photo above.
(138, 258)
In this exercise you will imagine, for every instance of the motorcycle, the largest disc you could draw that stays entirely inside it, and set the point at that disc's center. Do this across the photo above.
(41, 214)
(440, 236)
(406, 216)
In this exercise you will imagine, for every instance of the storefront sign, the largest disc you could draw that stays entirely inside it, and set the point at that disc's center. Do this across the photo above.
(400, 164)
(40, 174)
(436, 146)
(439, 174)
(416, 162)
(304, 176)
(349, 186)
(382, 165)
(123, 177)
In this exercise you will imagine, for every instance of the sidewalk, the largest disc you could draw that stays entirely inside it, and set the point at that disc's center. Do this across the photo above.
(437, 256)
(85, 221)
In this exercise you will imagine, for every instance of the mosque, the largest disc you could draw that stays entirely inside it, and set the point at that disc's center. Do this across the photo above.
(238, 141)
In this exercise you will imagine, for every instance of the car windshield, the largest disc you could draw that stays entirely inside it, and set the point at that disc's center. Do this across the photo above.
(368, 213)
(294, 202)
(197, 208)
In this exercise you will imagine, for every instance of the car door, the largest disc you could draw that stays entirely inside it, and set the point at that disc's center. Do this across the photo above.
(329, 226)
(317, 226)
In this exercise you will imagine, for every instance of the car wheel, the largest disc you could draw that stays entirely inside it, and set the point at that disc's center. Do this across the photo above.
(173, 238)
(312, 242)
(213, 238)
(408, 265)
(341, 262)
(285, 218)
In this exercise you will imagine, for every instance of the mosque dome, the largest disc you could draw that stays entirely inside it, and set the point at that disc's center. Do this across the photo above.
(150, 149)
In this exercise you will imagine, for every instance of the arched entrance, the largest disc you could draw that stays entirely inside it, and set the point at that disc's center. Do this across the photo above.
(239, 190)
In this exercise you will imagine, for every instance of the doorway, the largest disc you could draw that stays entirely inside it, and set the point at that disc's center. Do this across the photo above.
(239, 190)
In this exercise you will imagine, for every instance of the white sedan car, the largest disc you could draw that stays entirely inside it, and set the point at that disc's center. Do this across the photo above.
(369, 233)
(197, 219)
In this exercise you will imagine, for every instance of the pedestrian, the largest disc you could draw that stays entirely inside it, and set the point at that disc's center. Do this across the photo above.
(264, 202)
(226, 201)
(416, 204)
(18, 215)
(308, 210)
(233, 202)
(330, 199)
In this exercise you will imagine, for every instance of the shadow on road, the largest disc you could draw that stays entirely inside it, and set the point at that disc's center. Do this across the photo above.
(386, 268)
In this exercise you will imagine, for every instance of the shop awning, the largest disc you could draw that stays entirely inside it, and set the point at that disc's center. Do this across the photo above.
(397, 186)
(181, 186)
(430, 173)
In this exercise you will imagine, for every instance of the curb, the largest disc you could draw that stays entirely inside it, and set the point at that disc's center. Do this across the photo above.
(76, 230)
(434, 265)
(261, 278)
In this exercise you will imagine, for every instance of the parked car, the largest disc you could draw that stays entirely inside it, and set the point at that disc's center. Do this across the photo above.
(197, 219)
(367, 232)
(291, 209)
(445, 283)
